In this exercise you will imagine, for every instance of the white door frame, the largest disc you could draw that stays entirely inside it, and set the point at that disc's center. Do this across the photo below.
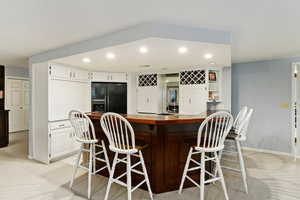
(16, 78)
(295, 74)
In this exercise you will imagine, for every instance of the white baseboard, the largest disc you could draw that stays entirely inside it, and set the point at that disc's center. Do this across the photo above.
(269, 151)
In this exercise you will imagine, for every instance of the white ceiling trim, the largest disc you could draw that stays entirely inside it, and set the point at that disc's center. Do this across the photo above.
(134, 33)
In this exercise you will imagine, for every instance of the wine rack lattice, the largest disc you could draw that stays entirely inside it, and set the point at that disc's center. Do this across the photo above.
(147, 80)
(192, 77)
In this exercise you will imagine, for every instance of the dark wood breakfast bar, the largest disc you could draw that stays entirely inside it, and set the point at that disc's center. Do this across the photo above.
(168, 139)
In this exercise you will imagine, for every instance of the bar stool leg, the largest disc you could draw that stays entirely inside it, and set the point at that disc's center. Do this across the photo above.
(146, 174)
(111, 176)
(129, 176)
(76, 164)
(242, 165)
(202, 176)
(105, 156)
(221, 175)
(94, 158)
(220, 157)
(90, 169)
(186, 167)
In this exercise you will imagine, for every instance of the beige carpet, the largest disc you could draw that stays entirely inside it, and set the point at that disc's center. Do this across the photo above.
(269, 177)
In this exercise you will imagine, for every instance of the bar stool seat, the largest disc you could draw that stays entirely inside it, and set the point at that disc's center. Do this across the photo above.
(211, 135)
(121, 139)
(237, 135)
(84, 133)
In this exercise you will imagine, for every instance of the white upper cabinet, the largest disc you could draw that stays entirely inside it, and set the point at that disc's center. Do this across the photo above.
(118, 77)
(99, 77)
(80, 75)
(109, 77)
(59, 72)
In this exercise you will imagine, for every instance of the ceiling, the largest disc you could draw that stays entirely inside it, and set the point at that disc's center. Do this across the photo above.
(162, 55)
(261, 29)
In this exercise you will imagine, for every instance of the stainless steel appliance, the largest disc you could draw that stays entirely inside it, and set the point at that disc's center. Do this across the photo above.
(109, 97)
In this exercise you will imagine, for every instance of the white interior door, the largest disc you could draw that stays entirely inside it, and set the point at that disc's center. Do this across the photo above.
(17, 101)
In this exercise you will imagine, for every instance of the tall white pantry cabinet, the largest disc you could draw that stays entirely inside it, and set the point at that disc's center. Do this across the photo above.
(56, 89)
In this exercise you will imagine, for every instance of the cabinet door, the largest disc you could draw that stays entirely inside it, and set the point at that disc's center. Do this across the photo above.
(155, 100)
(141, 99)
(193, 99)
(80, 75)
(60, 72)
(118, 77)
(100, 77)
(65, 96)
(149, 99)
(61, 142)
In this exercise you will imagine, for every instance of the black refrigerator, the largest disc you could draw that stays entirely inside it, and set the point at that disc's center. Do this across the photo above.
(109, 97)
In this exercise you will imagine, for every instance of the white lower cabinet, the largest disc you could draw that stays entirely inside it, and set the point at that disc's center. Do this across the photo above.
(62, 141)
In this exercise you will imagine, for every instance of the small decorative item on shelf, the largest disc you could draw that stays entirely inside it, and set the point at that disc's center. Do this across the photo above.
(1, 94)
(212, 76)
(210, 95)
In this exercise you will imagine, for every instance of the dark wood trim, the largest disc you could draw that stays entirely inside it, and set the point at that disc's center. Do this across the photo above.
(158, 119)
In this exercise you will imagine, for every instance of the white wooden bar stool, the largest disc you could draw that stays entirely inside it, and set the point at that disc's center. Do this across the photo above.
(238, 135)
(121, 139)
(84, 133)
(211, 136)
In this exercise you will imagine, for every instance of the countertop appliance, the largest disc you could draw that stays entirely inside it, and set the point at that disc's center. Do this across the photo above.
(109, 97)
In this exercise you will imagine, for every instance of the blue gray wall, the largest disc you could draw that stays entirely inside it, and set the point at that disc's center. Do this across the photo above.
(265, 86)
(17, 71)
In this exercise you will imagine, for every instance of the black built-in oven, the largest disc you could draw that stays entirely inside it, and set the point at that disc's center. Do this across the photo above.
(109, 97)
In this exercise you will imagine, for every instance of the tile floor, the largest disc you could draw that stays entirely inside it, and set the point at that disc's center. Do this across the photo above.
(269, 177)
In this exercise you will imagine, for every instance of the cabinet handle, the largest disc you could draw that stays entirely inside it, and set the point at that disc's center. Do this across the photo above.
(70, 74)
(190, 100)
(111, 77)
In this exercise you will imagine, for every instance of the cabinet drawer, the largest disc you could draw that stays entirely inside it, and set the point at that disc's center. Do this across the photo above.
(60, 125)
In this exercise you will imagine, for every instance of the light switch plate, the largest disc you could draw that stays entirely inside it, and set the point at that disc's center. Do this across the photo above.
(284, 105)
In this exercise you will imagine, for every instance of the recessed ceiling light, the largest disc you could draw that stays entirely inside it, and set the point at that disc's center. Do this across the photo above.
(86, 60)
(182, 50)
(212, 63)
(110, 56)
(143, 49)
(208, 56)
